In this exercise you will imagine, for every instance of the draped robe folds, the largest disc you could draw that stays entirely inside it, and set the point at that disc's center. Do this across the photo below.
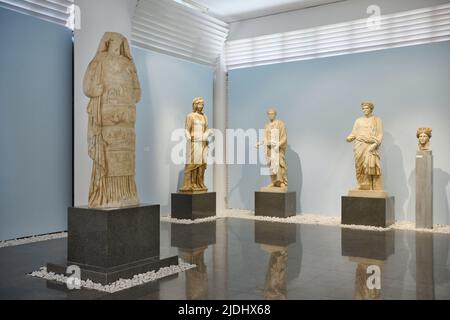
(197, 150)
(369, 136)
(112, 85)
(276, 142)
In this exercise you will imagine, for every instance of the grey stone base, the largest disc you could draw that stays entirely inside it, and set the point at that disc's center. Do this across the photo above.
(192, 236)
(273, 204)
(193, 206)
(275, 233)
(376, 212)
(109, 244)
(375, 245)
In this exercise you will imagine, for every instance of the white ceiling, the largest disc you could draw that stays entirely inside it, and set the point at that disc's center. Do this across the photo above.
(236, 10)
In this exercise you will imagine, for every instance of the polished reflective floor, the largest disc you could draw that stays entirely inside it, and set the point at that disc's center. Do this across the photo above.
(244, 259)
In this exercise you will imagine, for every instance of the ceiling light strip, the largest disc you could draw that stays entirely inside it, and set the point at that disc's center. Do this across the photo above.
(50, 10)
(402, 29)
(172, 28)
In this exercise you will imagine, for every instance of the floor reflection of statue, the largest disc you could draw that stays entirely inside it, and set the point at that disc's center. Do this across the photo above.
(196, 278)
(275, 140)
(197, 134)
(367, 134)
(275, 287)
(363, 290)
(113, 87)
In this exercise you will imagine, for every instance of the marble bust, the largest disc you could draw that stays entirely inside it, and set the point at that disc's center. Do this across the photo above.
(367, 135)
(275, 141)
(197, 134)
(424, 135)
(112, 85)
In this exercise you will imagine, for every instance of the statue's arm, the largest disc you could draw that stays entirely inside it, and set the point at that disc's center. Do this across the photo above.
(283, 136)
(136, 85)
(379, 136)
(92, 83)
(188, 127)
(353, 135)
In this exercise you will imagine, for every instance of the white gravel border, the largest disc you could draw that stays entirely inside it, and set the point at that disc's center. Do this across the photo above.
(33, 239)
(187, 221)
(121, 284)
(312, 219)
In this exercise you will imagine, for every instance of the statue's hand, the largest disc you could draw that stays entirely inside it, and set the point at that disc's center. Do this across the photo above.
(351, 138)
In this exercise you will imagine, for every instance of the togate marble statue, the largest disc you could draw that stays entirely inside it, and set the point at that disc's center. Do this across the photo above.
(424, 136)
(197, 135)
(367, 135)
(275, 140)
(112, 84)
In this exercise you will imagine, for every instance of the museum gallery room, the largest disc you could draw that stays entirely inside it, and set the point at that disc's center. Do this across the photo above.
(225, 150)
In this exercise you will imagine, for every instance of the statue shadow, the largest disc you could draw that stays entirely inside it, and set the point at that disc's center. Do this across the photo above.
(295, 174)
(394, 175)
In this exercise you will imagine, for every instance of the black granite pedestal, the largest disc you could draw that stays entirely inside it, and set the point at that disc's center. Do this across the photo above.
(109, 245)
(193, 206)
(376, 212)
(273, 204)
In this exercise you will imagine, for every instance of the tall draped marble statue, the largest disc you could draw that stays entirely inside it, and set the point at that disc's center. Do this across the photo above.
(367, 135)
(275, 140)
(424, 135)
(113, 87)
(197, 134)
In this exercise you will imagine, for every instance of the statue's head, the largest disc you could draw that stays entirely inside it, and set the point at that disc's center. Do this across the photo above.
(198, 104)
(114, 43)
(367, 108)
(272, 114)
(424, 136)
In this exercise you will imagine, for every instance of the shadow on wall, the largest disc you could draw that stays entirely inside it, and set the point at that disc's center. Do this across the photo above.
(394, 174)
(295, 174)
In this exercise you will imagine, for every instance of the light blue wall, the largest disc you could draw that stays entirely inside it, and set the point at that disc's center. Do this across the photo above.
(168, 87)
(35, 125)
(319, 101)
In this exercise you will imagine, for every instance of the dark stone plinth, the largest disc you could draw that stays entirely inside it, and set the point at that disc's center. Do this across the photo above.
(193, 206)
(111, 244)
(375, 245)
(376, 212)
(272, 204)
(275, 233)
(192, 236)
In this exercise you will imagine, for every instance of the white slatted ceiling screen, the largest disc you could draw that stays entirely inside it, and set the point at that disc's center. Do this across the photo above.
(395, 30)
(56, 11)
(169, 27)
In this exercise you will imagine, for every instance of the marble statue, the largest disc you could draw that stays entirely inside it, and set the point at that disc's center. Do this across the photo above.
(197, 135)
(367, 135)
(275, 140)
(424, 136)
(112, 84)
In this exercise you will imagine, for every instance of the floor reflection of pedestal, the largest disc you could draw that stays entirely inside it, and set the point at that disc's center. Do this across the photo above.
(376, 212)
(192, 241)
(109, 245)
(191, 236)
(193, 206)
(369, 250)
(275, 233)
(275, 204)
